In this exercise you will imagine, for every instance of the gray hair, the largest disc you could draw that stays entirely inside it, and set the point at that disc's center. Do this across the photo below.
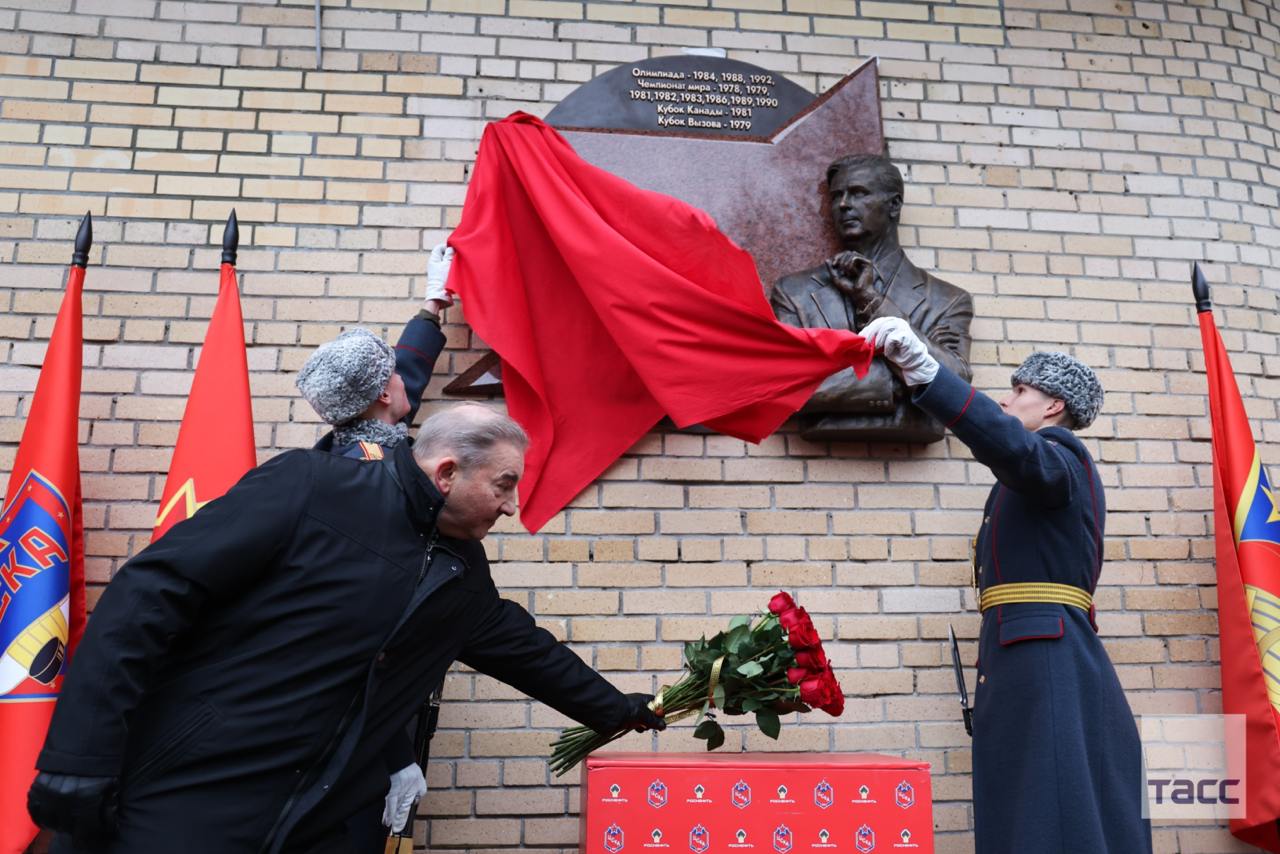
(469, 431)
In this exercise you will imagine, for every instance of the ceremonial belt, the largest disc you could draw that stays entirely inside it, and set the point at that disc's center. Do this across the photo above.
(1034, 592)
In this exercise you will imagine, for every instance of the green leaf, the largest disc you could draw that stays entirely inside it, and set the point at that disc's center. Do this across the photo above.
(711, 731)
(769, 723)
(717, 696)
(736, 638)
(750, 669)
(751, 704)
(741, 620)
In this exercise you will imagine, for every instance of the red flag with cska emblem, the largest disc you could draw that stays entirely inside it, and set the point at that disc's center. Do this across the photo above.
(41, 561)
(215, 442)
(1247, 533)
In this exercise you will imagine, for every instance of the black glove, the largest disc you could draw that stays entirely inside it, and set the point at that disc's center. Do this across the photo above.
(639, 716)
(84, 807)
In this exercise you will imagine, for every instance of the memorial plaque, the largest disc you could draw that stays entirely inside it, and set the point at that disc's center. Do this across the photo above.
(763, 184)
(765, 191)
(697, 95)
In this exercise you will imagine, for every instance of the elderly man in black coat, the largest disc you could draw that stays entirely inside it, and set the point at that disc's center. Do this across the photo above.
(1057, 764)
(238, 673)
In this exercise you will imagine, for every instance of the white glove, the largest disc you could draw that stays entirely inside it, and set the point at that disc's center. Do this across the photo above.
(407, 786)
(903, 347)
(438, 273)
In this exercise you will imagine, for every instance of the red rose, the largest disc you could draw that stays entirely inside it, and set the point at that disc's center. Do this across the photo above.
(781, 603)
(803, 637)
(814, 660)
(823, 691)
(834, 702)
(794, 617)
(834, 706)
(796, 675)
(813, 691)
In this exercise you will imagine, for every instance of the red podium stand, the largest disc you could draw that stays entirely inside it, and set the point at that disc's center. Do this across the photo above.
(755, 802)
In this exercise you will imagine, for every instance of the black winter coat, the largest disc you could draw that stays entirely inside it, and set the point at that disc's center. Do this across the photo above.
(236, 672)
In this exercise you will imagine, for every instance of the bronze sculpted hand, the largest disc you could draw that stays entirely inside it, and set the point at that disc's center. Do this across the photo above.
(855, 276)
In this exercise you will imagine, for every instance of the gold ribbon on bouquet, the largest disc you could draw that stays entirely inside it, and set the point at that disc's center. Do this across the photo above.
(655, 705)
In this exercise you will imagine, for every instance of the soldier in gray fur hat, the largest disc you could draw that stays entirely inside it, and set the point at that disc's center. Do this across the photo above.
(353, 379)
(370, 392)
(1048, 705)
(1064, 379)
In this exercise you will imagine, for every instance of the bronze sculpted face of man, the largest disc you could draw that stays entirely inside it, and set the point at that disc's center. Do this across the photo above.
(865, 195)
(866, 200)
(871, 277)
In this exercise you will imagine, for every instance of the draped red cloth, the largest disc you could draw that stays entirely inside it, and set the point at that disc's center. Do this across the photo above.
(612, 306)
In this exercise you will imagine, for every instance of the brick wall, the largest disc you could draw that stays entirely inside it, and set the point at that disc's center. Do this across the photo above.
(1065, 160)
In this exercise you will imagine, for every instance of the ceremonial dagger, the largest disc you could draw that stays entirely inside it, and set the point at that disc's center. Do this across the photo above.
(964, 692)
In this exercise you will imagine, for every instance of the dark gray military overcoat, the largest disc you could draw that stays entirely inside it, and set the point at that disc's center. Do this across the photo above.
(1057, 765)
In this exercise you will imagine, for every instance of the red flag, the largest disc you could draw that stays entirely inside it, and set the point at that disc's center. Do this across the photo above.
(215, 442)
(1246, 513)
(612, 306)
(41, 567)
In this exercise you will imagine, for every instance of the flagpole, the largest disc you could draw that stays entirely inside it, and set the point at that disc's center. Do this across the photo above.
(84, 242)
(230, 239)
(1200, 289)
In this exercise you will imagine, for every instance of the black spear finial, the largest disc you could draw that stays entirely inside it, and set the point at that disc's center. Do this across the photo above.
(1200, 288)
(230, 239)
(84, 241)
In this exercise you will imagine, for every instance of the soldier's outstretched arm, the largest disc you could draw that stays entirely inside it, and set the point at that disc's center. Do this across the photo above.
(1026, 461)
(419, 347)
(947, 339)
(422, 340)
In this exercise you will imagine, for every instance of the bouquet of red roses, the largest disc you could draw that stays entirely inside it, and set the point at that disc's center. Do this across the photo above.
(767, 667)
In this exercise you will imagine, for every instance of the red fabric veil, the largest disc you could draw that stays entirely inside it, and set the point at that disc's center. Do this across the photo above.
(612, 306)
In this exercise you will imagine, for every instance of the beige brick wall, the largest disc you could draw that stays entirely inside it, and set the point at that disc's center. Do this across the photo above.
(1065, 160)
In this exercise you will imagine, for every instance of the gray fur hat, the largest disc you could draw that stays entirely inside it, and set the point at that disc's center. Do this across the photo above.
(345, 376)
(1070, 380)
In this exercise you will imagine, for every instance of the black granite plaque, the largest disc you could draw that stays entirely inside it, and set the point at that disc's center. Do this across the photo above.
(695, 95)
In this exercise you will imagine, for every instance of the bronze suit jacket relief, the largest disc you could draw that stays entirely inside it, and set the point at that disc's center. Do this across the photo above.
(877, 407)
